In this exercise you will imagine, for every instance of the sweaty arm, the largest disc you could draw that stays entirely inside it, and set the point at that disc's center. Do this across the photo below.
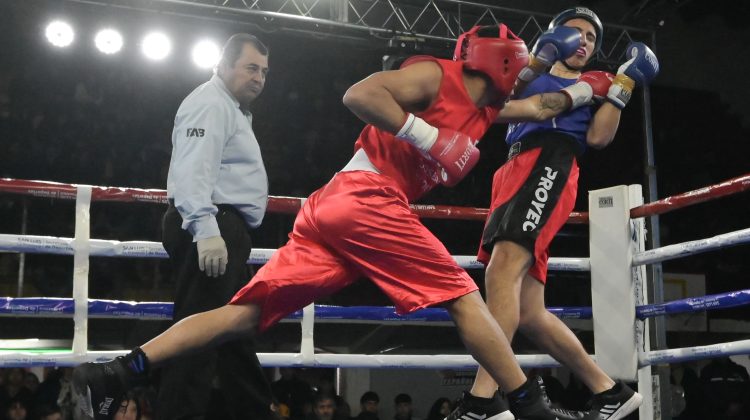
(385, 98)
(200, 132)
(538, 107)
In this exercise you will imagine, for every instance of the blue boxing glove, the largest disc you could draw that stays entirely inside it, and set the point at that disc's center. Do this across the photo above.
(640, 69)
(558, 43)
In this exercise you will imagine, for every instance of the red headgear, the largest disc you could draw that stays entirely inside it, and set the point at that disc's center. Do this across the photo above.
(501, 57)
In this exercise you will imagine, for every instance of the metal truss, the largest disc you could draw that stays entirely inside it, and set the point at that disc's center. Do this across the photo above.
(417, 21)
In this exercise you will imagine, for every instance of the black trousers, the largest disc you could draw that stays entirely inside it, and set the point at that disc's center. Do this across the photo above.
(186, 383)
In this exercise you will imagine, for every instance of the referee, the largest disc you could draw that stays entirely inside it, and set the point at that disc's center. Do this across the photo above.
(218, 190)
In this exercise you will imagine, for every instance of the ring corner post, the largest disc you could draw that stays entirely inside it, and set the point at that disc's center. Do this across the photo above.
(612, 289)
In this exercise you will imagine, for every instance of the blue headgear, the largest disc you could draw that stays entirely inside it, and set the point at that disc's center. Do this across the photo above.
(583, 13)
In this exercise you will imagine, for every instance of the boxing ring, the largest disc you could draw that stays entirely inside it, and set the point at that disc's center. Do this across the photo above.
(617, 263)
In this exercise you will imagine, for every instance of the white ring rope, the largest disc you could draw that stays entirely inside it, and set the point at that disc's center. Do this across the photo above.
(145, 249)
(379, 361)
(684, 249)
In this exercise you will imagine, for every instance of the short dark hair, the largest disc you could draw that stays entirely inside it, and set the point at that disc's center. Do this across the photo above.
(322, 396)
(369, 396)
(402, 398)
(234, 45)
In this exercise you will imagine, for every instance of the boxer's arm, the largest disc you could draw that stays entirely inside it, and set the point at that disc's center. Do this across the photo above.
(384, 98)
(534, 108)
(603, 126)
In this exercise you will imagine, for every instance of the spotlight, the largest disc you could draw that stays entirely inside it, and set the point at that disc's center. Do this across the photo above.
(206, 54)
(59, 33)
(108, 41)
(156, 46)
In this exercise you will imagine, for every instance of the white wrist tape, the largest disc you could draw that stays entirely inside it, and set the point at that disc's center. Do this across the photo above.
(418, 133)
(579, 93)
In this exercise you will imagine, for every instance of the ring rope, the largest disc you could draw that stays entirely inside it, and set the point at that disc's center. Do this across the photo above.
(102, 308)
(684, 249)
(728, 187)
(32, 244)
(291, 205)
(25, 358)
(276, 204)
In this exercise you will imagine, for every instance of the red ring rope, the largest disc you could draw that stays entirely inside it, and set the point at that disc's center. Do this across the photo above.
(291, 205)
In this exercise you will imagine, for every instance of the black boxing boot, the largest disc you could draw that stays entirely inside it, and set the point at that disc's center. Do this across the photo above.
(98, 388)
(530, 402)
(471, 407)
(615, 403)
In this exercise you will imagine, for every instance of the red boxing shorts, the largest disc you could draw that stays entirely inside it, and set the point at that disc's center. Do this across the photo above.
(359, 224)
(532, 196)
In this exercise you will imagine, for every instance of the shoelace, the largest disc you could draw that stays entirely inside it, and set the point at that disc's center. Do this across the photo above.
(567, 413)
(459, 409)
(543, 390)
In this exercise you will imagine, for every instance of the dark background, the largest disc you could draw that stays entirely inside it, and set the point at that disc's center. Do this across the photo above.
(76, 116)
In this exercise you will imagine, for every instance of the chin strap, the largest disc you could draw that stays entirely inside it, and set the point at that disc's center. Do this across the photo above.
(567, 66)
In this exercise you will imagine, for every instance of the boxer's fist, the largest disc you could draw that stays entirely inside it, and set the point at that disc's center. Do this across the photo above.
(600, 81)
(453, 151)
(642, 65)
(456, 153)
(592, 87)
(640, 69)
(558, 43)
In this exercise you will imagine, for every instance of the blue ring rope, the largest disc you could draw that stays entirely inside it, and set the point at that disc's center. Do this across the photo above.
(162, 310)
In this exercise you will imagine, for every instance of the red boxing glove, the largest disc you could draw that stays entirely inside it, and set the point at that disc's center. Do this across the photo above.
(600, 81)
(454, 151)
(592, 87)
(456, 154)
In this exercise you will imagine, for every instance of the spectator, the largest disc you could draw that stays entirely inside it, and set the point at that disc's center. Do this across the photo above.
(324, 407)
(440, 409)
(683, 375)
(14, 389)
(725, 387)
(18, 409)
(293, 392)
(65, 398)
(368, 404)
(343, 410)
(404, 409)
(31, 382)
(49, 412)
(129, 408)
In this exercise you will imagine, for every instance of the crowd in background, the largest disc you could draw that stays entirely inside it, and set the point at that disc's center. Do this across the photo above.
(718, 390)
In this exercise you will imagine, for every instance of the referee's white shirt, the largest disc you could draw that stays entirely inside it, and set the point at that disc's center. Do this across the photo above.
(215, 160)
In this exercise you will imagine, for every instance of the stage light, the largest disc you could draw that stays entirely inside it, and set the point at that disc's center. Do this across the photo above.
(108, 41)
(156, 46)
(59, 33)
(206, 54)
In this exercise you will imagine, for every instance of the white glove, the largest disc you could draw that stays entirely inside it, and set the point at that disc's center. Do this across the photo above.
(212, 256)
